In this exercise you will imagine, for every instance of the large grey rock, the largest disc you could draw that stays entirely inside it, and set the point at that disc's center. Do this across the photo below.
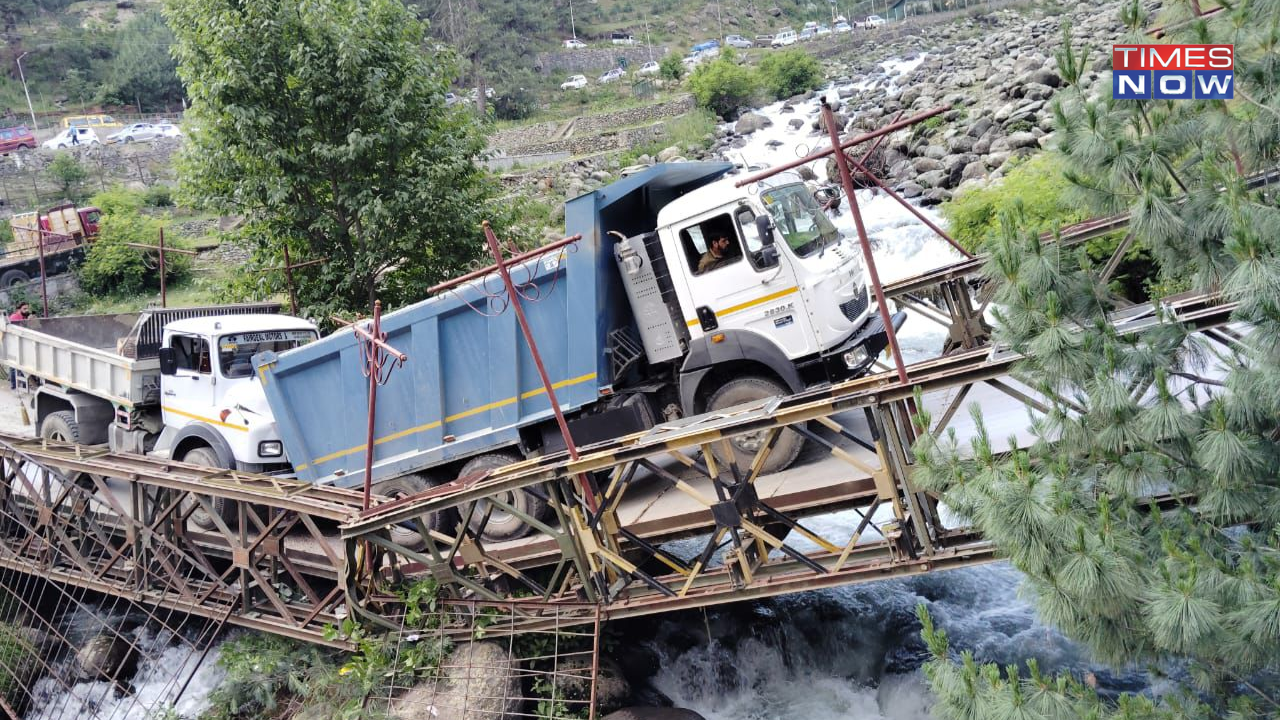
(667, 154)
(910, 190)
(750, 122)
(653, 713)
(1037, 91)
(926, 164)
(932, 179)
(980, 127)
(795, 123)
(973, 171)
(478, 681)
(937, 152)
(108, 656)
(1045, 77)
(574, 682)
(1022, 140)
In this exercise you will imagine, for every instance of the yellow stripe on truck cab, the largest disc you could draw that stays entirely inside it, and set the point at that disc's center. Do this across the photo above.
(748, 304)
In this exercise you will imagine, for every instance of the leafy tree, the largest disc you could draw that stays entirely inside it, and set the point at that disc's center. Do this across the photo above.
(515, 104)
(670, 67)
(722, 86)
(1159, 411)
(111, 267)
(790, 73)
(325, 125)
(1036, 187)
(143, 71)
(67, 171)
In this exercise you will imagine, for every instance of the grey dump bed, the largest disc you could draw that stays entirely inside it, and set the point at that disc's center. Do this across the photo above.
(113, 357)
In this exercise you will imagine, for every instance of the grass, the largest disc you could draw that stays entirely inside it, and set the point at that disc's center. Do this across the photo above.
(686, 130)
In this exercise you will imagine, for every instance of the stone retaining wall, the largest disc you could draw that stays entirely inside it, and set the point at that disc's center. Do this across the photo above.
(587, 60)
(595, 133)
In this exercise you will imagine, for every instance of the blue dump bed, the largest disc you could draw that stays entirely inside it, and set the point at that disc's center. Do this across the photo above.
(470, 382)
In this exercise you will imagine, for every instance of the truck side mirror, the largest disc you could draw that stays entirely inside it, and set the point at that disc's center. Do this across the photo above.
(168, 361)
(764, 229)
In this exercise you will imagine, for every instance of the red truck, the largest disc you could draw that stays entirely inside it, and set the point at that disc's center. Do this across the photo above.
(64, 230)
(16, 138)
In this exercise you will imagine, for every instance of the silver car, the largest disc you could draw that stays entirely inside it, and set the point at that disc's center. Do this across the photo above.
(137, 132)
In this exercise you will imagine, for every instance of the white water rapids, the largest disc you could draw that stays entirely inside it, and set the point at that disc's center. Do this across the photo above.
(850, 653)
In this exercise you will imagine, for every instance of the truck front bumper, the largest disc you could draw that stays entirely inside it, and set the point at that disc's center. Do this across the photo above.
(855, 356)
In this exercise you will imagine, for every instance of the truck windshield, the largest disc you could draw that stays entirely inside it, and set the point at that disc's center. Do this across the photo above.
(799, 218)
(235, 351)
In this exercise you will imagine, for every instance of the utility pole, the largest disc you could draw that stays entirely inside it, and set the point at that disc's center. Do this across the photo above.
(26, 92)
(573, 30)
(646, 36)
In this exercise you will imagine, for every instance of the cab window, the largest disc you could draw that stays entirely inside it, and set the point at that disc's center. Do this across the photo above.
(191, 354)
(236, 351)
(702, 250)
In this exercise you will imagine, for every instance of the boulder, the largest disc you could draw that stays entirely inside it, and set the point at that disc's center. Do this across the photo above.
(932, 179)
(934, 196)
(926, 164)
(1022, 140)
(653, 713)
(750, 122)
(980, 127)
(973, 171)
(910, 190)
(937, 152)
(667, 154)
(108, 656)
(478, 681)
(1045, 77)
(1037, 91)
(795, 123)
(574, 683)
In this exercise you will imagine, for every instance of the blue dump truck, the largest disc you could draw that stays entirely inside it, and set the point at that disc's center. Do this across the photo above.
(684, 295)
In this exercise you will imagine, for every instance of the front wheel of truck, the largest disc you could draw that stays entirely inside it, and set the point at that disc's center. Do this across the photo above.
(225, 508)
(745, 446)
(502, 524)
(406, 535)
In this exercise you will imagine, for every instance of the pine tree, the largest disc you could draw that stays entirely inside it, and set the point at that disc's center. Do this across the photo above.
(1138, 415)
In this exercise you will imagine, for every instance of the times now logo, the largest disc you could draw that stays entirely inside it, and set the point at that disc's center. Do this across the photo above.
(1173, 72)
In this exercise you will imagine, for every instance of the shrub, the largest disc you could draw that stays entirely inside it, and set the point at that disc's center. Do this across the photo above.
(67, 171)
(118, 200)
(158, 196)
(723, 86)
(113, 268)
(670, 67)
(790, 73)
(516, 104)
(1033, 194)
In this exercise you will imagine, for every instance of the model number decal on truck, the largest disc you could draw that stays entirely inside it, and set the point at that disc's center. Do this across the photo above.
(789, 307)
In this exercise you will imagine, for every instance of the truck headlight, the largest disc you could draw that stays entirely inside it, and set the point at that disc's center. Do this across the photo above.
(855, 358)
(270, 448)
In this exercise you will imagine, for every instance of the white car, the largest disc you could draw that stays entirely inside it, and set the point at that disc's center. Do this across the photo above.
(872, 21)
(575, 82)
(692, 60)
(137, 132)
(822, 30)
(842, 27)
(574, 44)
(784, 38)
(169, 130)
(649, 68)
(614, 74)
(72, 137)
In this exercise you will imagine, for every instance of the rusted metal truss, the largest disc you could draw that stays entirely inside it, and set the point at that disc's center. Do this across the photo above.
(122, 525)
(852, 516)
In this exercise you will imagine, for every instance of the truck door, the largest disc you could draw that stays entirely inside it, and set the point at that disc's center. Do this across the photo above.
(187, 395)
(731, 288)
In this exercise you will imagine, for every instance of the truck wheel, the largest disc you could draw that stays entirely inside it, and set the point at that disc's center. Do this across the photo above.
(409, 537)
(745, 390)
(61, 427)
(225, 508)
(13, 277)
(502, 525)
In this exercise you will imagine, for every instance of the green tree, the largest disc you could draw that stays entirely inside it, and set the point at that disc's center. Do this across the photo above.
(722, 86)
(67, 171)
(325, 125)
(1161, 411)
(1036, 188)
(142, 70)
(790, 73)
(112, 267)
(670, 67)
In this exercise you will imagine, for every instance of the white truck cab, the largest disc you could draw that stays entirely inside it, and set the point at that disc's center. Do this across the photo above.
(210, 395)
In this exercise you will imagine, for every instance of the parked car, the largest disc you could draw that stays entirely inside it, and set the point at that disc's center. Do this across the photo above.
(169, 130)
(692, 60)
(872, 21)
(137, 132)
(72, 137)
(614, 74)
(450, 98)
(574, 44)
(17, 137)
(90, 121)
(806, 35)
(649, 68)
(575, 82)
(764, 40)
(784, 38)
(822, 30)
(739, 42)
(811, 25)
(621, 38)
(841, 27)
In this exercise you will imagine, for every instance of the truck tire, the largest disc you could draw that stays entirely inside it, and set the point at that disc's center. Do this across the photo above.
(13, 277)
(502, 525)
(748, 389)
(403, 486)
(61, 427)
(225, 508)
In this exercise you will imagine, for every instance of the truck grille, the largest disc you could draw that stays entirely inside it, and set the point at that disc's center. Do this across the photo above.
(855, 307)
